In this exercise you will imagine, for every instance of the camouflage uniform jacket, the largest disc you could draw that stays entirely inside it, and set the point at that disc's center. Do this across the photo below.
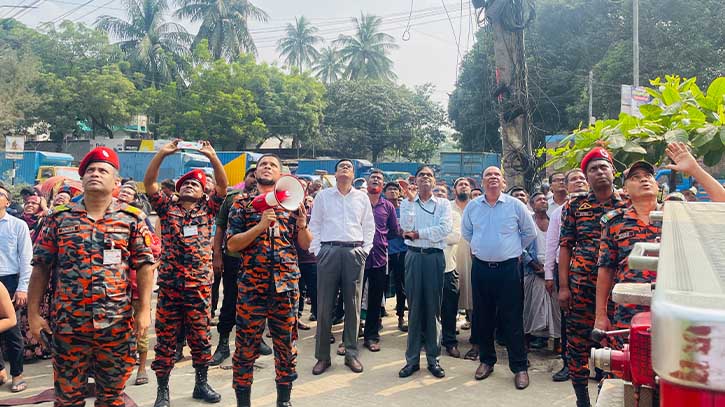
(277, 252)
(75, 248)
(186, 239)
(580, 232)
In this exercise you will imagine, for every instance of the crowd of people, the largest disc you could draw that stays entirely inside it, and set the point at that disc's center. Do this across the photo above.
(77, 278)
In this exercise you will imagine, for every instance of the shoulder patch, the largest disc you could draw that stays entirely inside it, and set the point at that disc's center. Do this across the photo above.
(132, 210)
(611, 215)
(61, 208)
(584, 206)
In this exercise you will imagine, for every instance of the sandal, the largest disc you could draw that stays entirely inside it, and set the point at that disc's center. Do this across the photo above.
(141, 379)
(341, 349)
(19, 386)
(471, 354)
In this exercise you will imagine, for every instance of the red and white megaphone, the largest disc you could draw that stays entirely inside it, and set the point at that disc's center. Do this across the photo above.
(288, 193)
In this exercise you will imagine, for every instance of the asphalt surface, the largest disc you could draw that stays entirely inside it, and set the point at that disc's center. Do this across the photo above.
(377, 385)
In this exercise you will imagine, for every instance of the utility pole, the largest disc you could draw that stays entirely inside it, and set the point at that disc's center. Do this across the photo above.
(635, 40)
(591, 98)
(507, 18)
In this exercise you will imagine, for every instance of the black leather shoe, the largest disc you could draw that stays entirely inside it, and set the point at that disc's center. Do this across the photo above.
(202, 390)
(162, 392)
(562, 375)
(264, 349)
(437, 371)
(408, 370)
(244, 396)
(283, 395)
(222, 351)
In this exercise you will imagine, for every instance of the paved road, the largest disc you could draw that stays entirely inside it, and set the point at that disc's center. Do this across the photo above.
(378, 385)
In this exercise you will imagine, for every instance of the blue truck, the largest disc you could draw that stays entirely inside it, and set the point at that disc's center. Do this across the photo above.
(310, 167)
(466, 164)
(36, 166)
(134, 164)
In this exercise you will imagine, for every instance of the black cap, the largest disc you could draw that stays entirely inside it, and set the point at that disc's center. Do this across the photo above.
(639, 164)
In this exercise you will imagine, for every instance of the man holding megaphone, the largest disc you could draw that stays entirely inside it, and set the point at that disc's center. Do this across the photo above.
(263, 229)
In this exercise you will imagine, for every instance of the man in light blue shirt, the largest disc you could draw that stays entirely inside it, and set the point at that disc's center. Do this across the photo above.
(16, 252)
(498, 228)
(426, 222)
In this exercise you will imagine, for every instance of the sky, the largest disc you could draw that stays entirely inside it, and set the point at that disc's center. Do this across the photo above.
(436, 40)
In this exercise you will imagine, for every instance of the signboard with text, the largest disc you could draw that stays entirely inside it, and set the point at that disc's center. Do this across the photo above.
(14, 147)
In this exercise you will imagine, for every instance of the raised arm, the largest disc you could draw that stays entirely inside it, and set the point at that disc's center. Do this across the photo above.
(152, 172)
(685, 162)
(220, 176)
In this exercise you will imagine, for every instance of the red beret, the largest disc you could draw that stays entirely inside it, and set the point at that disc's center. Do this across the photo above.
(99, 154)
(197, 174)
(597, 153)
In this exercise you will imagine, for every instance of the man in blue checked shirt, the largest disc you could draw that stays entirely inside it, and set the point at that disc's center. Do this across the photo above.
(426, 221)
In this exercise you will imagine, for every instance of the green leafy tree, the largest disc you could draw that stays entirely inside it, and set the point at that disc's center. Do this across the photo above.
(368, 118)
(366, 53)
(329, 66)
(680, 112)
(224, 25)
(154, 46)
(472, 106)
(18, 71)
(298, 45)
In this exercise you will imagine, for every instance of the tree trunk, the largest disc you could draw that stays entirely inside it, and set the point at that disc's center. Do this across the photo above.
(512, 95)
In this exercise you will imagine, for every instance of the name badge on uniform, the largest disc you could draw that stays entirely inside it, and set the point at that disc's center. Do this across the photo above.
(111, 256)
(190, 231)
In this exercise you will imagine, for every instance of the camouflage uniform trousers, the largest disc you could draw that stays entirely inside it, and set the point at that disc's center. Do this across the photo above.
(257, 301)
(189, 308)
(107, 354)
(579, 324)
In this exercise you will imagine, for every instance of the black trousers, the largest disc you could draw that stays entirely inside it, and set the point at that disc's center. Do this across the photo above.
(375, 276)
(228, 313)
(396, 267)
(563, 318)
(12, 339)
(497, 287)
(309, 279)
(449, 309)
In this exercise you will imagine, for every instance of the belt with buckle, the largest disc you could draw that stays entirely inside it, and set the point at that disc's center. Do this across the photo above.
(495, 264)
(343, 244)
(424, 250)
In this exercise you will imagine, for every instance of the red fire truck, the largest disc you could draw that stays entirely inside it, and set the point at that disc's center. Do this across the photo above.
(676, 352)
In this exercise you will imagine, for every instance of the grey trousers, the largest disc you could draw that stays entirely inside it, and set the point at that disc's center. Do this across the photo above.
(338, 267)
(424, 289)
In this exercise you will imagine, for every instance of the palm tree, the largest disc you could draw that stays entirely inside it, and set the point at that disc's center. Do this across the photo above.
(224, 24)
(298, 47)
(157, 47)
(329, 67)
(366, 52)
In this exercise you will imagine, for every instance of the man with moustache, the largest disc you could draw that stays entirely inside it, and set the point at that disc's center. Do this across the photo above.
(386, 224)
(343, 228)
(498, 227)
(576, 185)
(426, 222)
(269, 287)
(396, 257)
(462, 192)
(185, 272)
(579, 249)
(89, 248)
(621, 230)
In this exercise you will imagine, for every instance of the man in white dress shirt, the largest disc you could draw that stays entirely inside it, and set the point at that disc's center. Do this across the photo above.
(342, 227)
(426, 222)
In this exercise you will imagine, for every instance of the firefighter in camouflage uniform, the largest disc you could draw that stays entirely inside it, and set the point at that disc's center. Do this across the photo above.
(185, 273)
(579, 249)
(621, 229)
(268, 287)
(86, 251)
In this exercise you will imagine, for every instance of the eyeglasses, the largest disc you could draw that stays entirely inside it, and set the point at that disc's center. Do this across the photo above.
(3, 194)
(344, 165)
